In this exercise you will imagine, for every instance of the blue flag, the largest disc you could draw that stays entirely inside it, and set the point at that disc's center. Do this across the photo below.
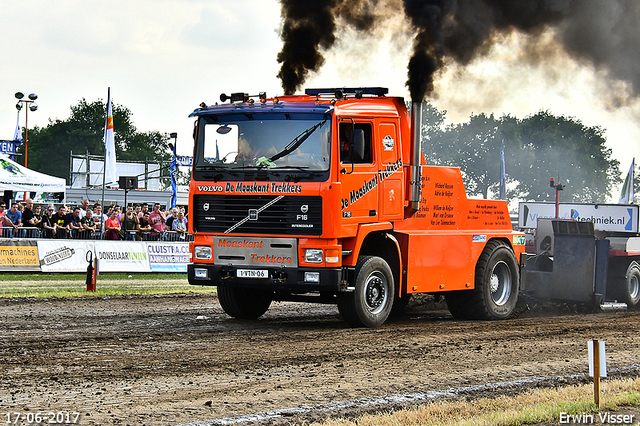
(503, 175)
(626, 195)
(173, 169)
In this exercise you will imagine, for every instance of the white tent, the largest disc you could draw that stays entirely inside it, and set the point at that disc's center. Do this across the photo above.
(18, 178)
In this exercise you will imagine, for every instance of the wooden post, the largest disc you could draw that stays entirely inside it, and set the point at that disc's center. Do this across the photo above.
(596, 373)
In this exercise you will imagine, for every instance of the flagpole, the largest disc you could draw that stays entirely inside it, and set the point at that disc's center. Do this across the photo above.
(104, 166)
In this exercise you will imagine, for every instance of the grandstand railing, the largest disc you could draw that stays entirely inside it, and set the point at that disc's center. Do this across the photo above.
(34, 232)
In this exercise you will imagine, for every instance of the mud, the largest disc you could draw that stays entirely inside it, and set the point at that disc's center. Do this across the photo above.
(178, 359)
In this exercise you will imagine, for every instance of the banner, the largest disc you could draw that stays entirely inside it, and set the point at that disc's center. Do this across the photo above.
(168, 257)
(122, 256)
(109, 146)
(605, 217)
(18, 256)
(64, 255)
(184, 160)
(48, 255)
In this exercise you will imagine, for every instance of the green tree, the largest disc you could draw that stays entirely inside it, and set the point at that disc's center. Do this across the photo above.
(537, 148)
(545, 146)
(83, 131)
(433, 125)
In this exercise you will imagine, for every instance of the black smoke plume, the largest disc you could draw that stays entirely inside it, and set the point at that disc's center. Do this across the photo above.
(308, 28)
(601, 32)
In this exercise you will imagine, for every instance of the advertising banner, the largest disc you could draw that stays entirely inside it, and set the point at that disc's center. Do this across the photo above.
(605, 217)
(122, 256)
(64, 255)
(113, 256)
(18, 256)
(168, 257)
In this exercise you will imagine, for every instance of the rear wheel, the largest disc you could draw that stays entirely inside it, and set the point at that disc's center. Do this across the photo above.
(496, 286)
(244, 303)
(371, 302)
(627, 289)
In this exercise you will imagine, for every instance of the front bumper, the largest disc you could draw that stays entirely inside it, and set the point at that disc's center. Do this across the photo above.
(280, 278)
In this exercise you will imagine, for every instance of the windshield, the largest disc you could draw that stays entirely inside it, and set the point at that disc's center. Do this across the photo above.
(264, 141)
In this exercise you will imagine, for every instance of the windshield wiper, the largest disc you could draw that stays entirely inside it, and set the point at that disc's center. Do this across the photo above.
(297, 141)
(303, 168)
(211, 167)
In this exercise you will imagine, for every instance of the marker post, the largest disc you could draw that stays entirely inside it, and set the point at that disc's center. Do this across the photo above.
(597, 366)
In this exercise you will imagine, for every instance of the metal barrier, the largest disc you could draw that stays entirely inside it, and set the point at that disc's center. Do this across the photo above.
(21, 232)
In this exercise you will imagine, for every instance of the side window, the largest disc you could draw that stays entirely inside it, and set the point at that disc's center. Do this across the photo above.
(355, 142)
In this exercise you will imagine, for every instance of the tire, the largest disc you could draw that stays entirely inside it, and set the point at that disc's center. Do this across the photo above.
(627, 289)
(371, 302)
(496, 286)
(244, 303)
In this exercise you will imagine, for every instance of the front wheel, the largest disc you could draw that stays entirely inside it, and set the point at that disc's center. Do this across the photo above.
(244, 303)
(371, 302)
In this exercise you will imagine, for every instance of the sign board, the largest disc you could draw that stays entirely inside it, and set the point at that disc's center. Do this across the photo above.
(184, 160)
(8, 147)
(17, 255)
(63, 255)
(168, 257)
(602, 359)
(605, 217)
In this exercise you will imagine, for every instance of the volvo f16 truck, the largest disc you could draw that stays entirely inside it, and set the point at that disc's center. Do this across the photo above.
(325, 197)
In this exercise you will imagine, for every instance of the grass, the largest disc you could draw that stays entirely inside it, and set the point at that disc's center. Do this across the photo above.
(74, 285)
(532, 407)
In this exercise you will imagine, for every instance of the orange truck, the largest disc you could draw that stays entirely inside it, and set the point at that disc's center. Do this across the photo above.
(325, 197)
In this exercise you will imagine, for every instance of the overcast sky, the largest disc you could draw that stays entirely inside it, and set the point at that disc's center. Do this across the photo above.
(162, 58)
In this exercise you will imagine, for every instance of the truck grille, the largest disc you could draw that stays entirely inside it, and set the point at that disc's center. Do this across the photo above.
(258, 214)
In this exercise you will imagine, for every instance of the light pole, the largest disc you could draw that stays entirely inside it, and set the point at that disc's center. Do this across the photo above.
(32, 107)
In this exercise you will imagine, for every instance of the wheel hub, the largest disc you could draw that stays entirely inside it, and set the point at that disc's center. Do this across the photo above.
(634, 287)
(375, 293)
(500, 283)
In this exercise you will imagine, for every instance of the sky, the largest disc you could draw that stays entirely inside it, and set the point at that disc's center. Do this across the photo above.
(162, 58)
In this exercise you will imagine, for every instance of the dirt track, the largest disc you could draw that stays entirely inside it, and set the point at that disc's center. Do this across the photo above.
(179, 359)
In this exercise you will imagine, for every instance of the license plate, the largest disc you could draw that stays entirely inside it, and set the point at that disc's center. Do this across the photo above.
(252, 273)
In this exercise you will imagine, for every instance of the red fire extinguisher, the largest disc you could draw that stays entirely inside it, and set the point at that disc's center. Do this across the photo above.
(92, 270)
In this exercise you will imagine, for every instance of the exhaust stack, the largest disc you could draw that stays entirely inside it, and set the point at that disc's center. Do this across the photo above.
(415, 192)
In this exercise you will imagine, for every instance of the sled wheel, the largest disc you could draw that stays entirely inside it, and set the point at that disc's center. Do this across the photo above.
(628, 288)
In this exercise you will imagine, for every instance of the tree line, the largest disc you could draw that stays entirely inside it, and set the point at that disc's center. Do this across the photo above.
(536, 148)
(50, 146)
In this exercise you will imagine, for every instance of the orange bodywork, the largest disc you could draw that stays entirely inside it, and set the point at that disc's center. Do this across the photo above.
(442, 242)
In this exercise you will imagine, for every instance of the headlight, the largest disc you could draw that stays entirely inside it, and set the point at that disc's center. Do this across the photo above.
(202, 252)
(200, 273)
(312, 277)
(313, 255)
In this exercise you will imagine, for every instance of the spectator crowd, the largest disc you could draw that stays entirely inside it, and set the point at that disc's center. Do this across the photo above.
(87, 221)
